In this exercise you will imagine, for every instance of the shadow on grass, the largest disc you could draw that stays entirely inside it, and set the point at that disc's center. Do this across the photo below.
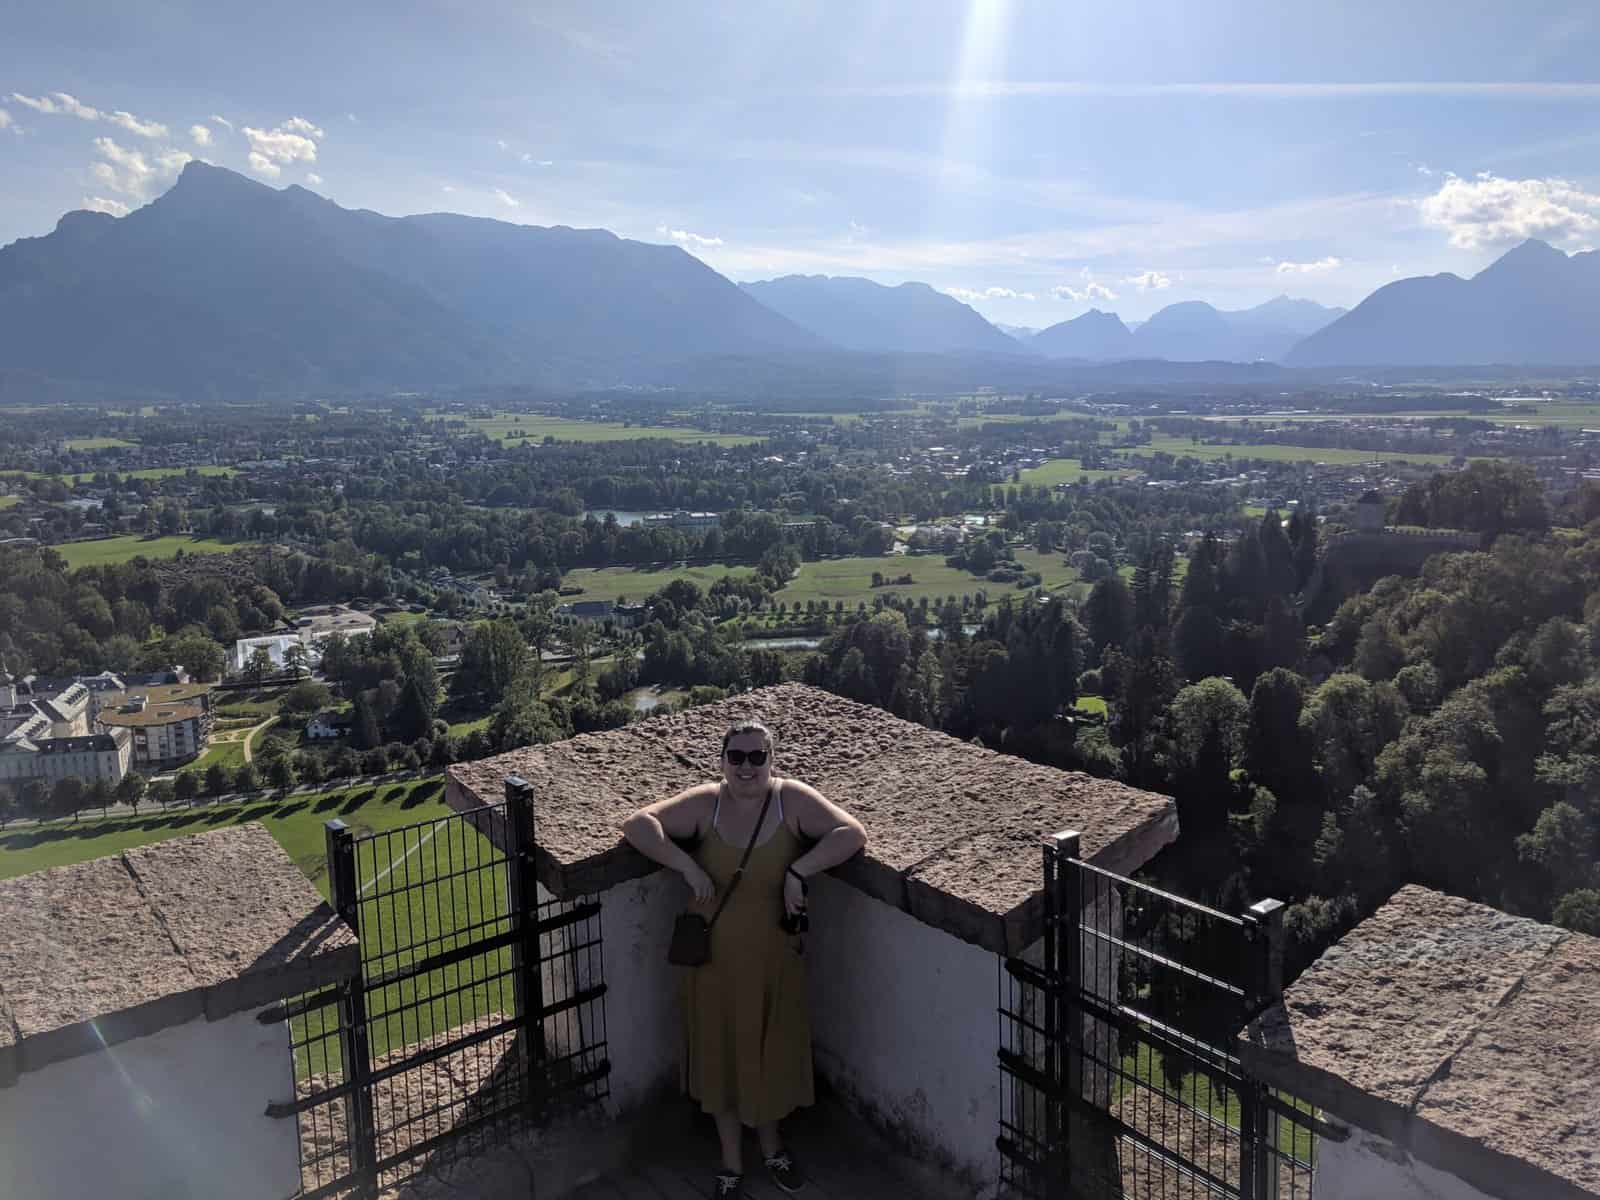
(423, 792)
(41, 835)
(329, 803)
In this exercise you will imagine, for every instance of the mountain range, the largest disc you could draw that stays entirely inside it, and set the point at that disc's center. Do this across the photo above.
(225, 287)
(1533, 304)
(1190, 331)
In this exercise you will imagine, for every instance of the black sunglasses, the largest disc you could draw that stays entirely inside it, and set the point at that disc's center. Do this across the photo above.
(739, 757)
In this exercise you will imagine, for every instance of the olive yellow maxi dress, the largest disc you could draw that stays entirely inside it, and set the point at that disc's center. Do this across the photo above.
(747, 1023)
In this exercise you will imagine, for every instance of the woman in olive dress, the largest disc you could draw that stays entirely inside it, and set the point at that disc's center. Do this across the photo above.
(747, 1024)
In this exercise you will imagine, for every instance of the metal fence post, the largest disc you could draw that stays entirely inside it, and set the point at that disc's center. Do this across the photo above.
(353, 1044)
(522, 903)
(1064, 966)
(1259, 1123)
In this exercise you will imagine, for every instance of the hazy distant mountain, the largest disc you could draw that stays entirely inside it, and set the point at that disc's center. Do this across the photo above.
(858, 314)
(1097, 336)
(1191, 331)
(1023, 333)
(1533, 305)
(226, 287)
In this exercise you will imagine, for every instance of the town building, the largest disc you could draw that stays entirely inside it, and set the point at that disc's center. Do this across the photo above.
(683, 519)
(326, 725)
(170, 723)
(276, 645)
(97, 756)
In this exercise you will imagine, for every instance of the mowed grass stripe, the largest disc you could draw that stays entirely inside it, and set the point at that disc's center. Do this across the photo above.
(107, 551)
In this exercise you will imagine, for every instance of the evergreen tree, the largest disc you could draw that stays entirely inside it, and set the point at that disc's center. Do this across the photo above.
(364, 733)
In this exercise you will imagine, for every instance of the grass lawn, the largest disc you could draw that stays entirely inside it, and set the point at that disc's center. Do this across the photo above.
(142, 473)
(8, 501)
(850, 579)
(1091, 704)
(610, 583)
(104, 551)
(99, 443)
(461, 729)
(1180, 447)
(234, 706)
(228, 753)
(539, 427)
(1065, 470)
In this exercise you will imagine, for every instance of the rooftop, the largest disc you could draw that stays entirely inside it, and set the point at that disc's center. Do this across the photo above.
(155, 714)
(163, 693)
(120, 947)
(954, 830)
(1458, 1031)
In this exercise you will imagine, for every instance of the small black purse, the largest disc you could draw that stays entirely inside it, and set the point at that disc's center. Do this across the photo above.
(691, 933)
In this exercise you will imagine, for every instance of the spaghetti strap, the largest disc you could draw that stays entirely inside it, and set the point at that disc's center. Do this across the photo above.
(777, 786)
(716, 809)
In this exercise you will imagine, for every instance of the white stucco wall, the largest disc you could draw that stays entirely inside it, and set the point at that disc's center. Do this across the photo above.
(1368, 1165)
(904, 1024)
(172, 1116)
(643, 1030)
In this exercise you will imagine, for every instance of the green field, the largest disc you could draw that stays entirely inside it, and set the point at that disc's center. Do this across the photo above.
(142, 473)
(1091, 704)
(537, 428)
(9, 501)
(612, 583)
(1065, 470)
(99, 443)
(850, 579)
(120, 549)
(1180, 447)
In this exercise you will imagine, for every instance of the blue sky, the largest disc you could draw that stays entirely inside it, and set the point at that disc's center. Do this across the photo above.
(1034, 159)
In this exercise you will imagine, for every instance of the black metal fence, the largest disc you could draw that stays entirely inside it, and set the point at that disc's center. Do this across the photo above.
(478, 1012)
(1118, 1048)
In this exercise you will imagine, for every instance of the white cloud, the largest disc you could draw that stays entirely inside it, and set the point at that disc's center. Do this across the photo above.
(1149, 281)
(124, 170)
(1316, 266)
(694, 241)
(221, 120)
(313, 178)
(501, 143)
(40, 104)
(149, 129)
(201, 134)
(1089, 291)
(531, 161)
(100, 204)
(507, 198)
(449, 187)
(68, 105)
(1489, 211)
(968, 295)
(281, 146)
(262, 165)
(5, 119)
(301, 125)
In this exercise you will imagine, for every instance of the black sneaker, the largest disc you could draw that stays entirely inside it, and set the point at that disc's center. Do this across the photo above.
(784, 1173)
(728, 1186)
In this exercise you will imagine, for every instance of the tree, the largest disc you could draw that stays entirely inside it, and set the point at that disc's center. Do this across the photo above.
(98, 795)
(1347, 722)
(307, 696)
(162, 792)
(132, 789)
(67, 797)
(1208, 721)
(281, 772)
(493, 656)
(364, 732)
(414, 713)
(34, 799)
(1562, 842)
(295, 659)
(186, 787)
(247, 778)
(258, 666)
(1109, 616)
(219, 780)
(10, 807)
(1579, 911)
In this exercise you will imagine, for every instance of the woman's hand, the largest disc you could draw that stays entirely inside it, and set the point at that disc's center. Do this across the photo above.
(794, 895)
(699, 882)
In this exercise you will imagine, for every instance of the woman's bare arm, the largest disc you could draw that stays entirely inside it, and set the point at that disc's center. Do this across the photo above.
(837, 834)
(652, 829)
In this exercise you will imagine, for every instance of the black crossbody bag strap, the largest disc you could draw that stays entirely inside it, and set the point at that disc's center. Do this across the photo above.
(743, 862)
